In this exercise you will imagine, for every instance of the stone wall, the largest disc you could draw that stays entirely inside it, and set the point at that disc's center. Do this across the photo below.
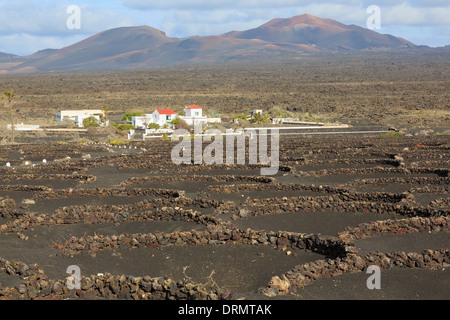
(28, 177)
(333, 203)
(198, 178)
(350, 171)
(306, 274)
(352, 262)
(36, 285)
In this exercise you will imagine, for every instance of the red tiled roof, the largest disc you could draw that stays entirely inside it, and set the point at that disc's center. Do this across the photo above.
(165, 111)
(194, 107)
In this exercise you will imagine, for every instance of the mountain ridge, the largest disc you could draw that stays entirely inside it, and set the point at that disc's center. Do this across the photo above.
(144, 46)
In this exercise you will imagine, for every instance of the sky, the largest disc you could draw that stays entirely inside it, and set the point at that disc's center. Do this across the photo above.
(27, 26)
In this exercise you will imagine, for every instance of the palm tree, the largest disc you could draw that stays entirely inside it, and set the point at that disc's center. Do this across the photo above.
(9, 95)
(105, 110)
(259, 118)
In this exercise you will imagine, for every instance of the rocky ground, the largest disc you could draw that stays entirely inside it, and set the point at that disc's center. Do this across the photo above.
(140, 227)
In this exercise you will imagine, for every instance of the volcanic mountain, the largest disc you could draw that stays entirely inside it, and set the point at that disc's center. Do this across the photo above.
(6, 56)
(324, 33)
(138, 47)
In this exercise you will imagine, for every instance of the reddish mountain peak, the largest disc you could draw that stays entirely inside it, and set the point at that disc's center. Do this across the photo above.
(129, 33)
(301, 19)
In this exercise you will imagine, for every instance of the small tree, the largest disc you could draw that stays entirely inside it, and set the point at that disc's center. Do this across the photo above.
(179, 124)
(153, 126)
(9, 95)
(91, 122)
(259, 118)
(105, 110)
(129, 115)
(240, 116)
(122, 127)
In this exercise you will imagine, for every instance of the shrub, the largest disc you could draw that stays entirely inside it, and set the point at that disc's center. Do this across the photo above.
(128, 115)
(117, 142)
(259, 118)
(121, 127)
(280, 113)
(153, 126)
(91, 122)
(391, 134)
(240, 116)
(180, 124)
(218, 127)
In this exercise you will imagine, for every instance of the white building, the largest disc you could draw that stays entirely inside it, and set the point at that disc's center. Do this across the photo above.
(23, 127)
(194, 115)
(78, 115)
(214, 120)
(72, 114)
(160, 117)
(142, 122)
(79, 120)
(163, 116)
(149, 132)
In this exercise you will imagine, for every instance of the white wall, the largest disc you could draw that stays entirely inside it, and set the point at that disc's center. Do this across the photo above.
(79, 119)
(193, 120)
(23, 127)
(162, 119)
(214, 120)
(72, 114)
(193, 112)
(142, 122)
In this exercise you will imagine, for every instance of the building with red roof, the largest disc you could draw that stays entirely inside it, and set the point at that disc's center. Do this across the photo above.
(160, 116)
(163, 116)
(165, 111)
(193, 115)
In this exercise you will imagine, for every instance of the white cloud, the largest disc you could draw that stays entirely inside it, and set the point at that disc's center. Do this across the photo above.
(212, 19)
(209, 5)
(405, 15)
(39, 24)
(421, 35)
(28, 26)
(48, 18)
(184, 23)
(264, 4)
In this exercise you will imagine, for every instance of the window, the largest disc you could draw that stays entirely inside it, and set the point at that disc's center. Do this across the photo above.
(196, 113)
(167, 118)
